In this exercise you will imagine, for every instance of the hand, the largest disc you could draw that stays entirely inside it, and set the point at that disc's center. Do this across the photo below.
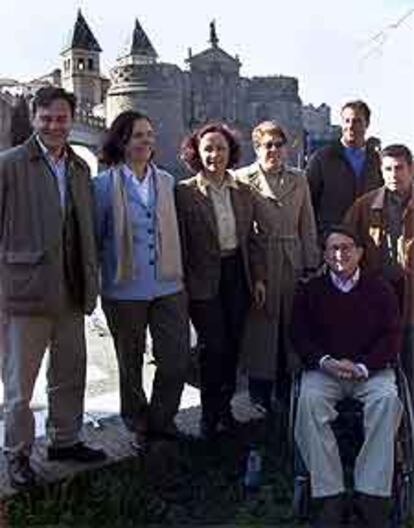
(259, 294)
(340, 369)
(356, 371)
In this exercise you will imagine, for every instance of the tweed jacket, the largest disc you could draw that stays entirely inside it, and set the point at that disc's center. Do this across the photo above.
(199, 236)
(368, 218)
(34, 237)
(333, 184)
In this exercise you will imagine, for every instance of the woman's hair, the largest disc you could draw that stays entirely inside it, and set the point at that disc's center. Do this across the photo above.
(118, 135)
(189, 150)
(267, 127)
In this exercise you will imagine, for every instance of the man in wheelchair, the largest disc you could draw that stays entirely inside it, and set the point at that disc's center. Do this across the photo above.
(346, 329)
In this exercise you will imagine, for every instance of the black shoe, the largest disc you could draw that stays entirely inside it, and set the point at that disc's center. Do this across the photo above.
(227, 423)
(20, 472)
(371, 510)
(169, 434)
(78, 452)
(208, 430)
(140, 443)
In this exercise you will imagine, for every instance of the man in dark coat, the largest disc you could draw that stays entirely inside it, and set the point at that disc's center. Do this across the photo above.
(340, 172)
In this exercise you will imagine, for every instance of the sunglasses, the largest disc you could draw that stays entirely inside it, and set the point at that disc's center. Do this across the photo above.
(276, 144)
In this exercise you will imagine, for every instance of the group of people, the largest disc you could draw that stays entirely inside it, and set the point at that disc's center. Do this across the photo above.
(228, 249)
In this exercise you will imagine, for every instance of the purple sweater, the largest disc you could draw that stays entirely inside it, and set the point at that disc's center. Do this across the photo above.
(362, 325)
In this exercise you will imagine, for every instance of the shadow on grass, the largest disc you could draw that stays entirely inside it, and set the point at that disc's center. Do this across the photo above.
(187, 483)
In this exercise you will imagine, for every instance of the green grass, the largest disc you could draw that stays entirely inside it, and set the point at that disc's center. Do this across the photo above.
(183, 484)
(188, 483)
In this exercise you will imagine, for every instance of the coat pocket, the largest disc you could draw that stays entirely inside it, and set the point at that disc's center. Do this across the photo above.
(24, 275)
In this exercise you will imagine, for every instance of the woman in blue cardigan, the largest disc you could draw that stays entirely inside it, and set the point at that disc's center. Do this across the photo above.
(141, 271)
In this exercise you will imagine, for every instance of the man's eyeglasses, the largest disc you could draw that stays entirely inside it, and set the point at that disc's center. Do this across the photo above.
(346, 249)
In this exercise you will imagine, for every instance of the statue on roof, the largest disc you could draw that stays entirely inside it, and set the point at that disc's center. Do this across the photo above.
(213, 34)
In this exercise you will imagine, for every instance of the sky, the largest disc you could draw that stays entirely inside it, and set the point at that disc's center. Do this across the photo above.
(338, 50)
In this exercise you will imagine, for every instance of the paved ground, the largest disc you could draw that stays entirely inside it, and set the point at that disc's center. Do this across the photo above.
(103, 426)
(102, 394)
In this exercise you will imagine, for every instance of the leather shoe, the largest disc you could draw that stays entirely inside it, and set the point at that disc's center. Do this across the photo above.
(227, 423)
(20, 472)
(78, 452)
(372, 511)
(140, 443)
(171, 433)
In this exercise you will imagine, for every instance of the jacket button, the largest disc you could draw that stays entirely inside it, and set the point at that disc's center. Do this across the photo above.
(151, 262)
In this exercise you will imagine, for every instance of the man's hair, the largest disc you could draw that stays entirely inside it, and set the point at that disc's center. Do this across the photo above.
(341, 229)
(359, 106)
(45, 96)
(267, 127)
(398, 151)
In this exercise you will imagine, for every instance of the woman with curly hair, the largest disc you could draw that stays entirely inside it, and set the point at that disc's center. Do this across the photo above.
(223, 263)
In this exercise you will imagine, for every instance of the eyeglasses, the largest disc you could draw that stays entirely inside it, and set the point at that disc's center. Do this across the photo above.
(276, 144)
(346, 249)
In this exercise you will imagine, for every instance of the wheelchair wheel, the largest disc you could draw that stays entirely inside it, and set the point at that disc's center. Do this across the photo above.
(403, 491)
(301, 498)
(403, 501)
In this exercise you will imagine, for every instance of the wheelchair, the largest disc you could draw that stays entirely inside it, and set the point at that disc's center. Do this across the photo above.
(348, 430)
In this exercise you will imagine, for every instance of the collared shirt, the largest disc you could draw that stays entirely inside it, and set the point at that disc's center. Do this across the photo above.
(345, 285)
(58, 167)
(223, 209)
(356, 157)
(144, 186)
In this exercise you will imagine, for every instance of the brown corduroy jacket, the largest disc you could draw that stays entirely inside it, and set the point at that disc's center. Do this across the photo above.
(368, 218)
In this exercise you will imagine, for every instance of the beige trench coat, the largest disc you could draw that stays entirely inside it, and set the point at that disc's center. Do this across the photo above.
(287, 216)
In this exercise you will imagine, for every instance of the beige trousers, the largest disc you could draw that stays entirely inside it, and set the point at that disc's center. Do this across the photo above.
(374, 466)
(24, 342)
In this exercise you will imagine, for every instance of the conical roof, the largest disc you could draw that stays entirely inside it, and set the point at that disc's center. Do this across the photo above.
(139, 44)
(81, 36)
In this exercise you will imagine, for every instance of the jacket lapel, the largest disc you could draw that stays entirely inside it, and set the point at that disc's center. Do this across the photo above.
(206, 205)
(259, 182)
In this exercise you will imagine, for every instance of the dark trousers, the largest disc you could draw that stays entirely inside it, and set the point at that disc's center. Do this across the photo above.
(219, 325)
(167, 320)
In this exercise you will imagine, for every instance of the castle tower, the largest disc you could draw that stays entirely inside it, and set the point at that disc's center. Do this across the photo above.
(80, 64)
(140, 82)
(215, 82)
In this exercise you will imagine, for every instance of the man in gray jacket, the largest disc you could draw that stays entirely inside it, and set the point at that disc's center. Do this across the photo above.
(48, 280)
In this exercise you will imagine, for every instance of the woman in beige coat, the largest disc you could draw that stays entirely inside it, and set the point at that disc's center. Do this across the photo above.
(292, 252)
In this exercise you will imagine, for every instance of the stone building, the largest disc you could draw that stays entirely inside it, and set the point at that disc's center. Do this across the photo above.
(209, 88)
(318, 129)
(6, 111)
